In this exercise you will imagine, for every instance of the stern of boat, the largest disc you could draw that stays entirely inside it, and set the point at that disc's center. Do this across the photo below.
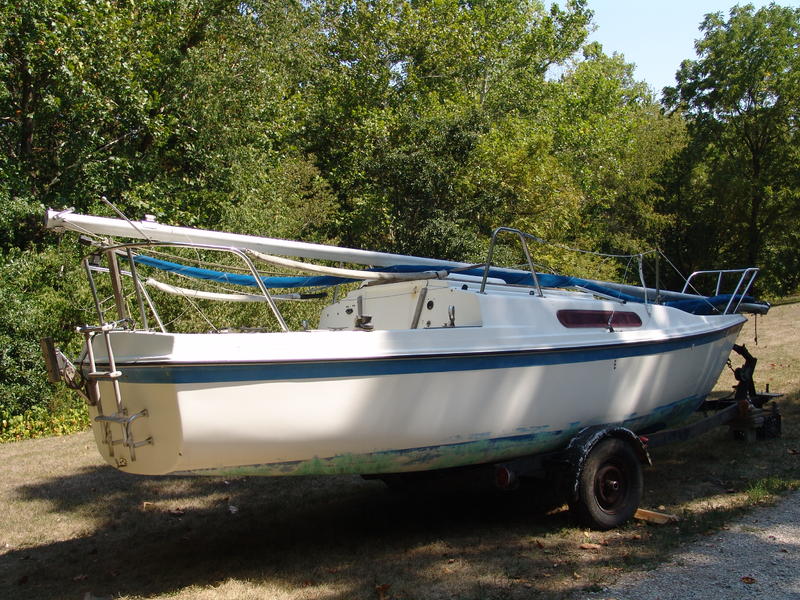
(137, 428)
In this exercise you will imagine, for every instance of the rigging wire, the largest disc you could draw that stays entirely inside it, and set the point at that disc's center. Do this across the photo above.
(121, 214)
(592, 252)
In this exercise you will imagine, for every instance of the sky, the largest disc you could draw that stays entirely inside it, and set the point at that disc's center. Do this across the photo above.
(656, 35)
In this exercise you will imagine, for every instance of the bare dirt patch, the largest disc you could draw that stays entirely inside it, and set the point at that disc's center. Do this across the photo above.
(71, 526)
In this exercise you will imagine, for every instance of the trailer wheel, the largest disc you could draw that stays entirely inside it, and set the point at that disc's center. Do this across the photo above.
(609, 485)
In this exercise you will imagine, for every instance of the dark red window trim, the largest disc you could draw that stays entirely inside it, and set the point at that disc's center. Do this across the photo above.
(598, 318)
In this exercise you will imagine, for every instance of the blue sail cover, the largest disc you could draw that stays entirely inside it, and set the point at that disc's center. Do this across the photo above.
(702, 305)
(238, 278)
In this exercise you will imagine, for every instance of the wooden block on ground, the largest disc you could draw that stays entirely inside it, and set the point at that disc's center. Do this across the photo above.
(652, 516)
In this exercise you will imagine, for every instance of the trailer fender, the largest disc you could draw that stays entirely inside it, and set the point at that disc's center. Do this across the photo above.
(580, 446)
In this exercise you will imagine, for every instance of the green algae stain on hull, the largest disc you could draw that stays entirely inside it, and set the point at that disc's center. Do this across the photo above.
(476, 451)
(406, 461)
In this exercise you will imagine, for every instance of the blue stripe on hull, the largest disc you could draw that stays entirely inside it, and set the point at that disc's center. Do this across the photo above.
(176, 373)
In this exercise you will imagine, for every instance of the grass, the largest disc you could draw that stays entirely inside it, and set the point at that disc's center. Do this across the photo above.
(70, 526)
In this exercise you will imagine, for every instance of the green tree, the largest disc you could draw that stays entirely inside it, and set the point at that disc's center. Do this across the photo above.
(237, 106)
(741, 100)
(157, 104)
(88, 92)
(408, 92)
(614, 140)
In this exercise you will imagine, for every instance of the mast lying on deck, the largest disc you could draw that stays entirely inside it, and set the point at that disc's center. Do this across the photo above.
(156, 232)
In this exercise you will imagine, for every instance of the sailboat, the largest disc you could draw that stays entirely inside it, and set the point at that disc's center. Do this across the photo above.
(421, 365)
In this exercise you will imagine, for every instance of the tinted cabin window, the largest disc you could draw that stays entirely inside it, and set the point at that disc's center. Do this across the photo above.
(598, 318)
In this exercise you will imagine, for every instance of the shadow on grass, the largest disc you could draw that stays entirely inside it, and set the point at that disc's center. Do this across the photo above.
(315, 537)
(336, 533)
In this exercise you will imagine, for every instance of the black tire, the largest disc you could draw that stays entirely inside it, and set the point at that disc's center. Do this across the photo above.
(609, 486)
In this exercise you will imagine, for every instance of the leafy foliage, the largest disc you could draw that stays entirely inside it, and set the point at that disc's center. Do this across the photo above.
(41, 296)
(741, 102)
(614, 139)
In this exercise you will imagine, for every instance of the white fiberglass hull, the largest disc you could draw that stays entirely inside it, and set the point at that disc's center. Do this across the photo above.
(394, 401)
